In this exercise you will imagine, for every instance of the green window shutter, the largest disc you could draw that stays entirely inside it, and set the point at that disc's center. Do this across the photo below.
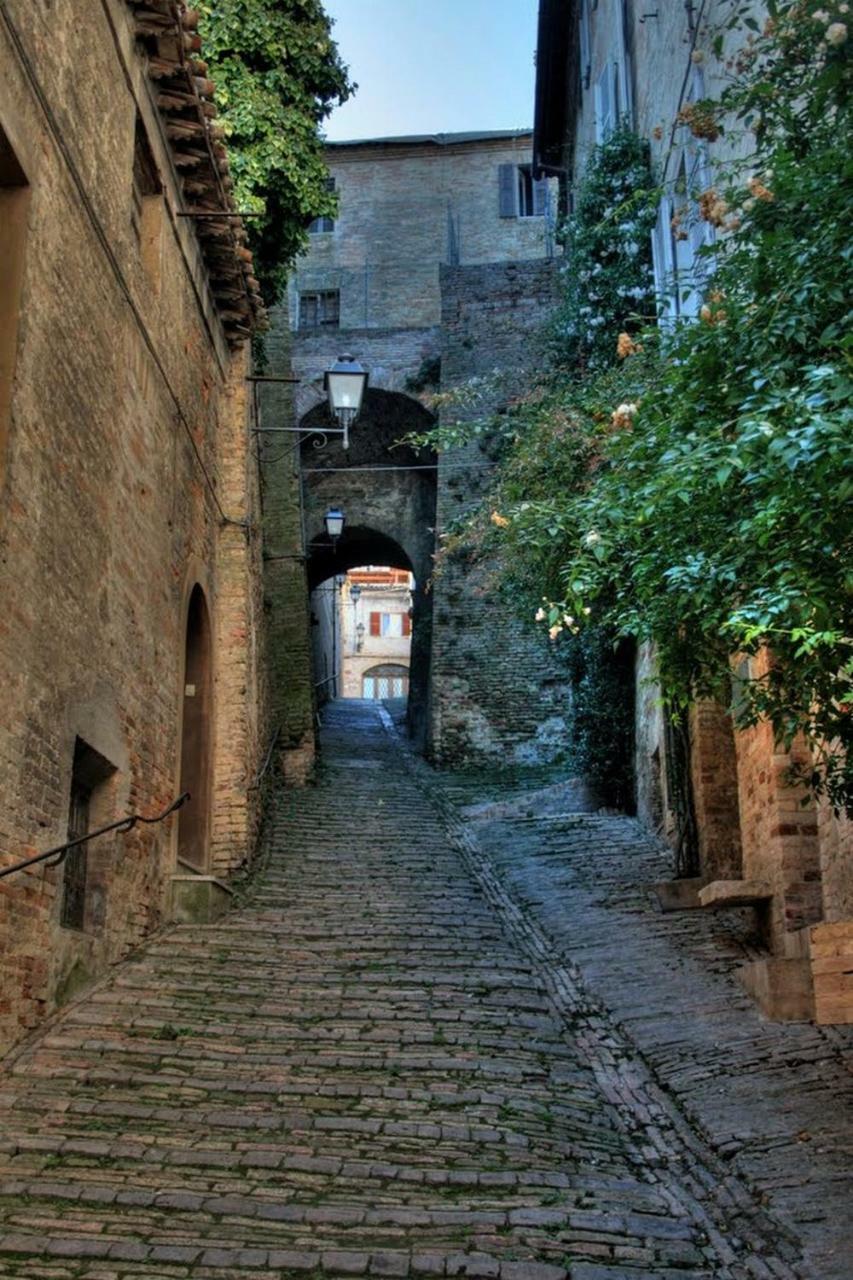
(540, 197)
(507, 206)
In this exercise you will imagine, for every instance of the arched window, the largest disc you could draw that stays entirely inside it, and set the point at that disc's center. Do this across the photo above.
(387, 680)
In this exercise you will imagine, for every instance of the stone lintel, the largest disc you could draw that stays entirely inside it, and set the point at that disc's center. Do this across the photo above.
(734, 893)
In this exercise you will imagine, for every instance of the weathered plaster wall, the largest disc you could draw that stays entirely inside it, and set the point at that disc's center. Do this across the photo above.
(123, 388)
(652, 51)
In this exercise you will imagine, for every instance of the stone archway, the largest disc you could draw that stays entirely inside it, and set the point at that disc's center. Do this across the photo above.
(196, 722)
(387, 490)
(359, 546)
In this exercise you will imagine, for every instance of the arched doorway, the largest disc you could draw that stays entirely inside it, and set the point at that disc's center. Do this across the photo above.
(361, 546)
(194, 817)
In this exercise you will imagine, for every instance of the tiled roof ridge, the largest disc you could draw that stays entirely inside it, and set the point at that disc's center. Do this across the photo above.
(167, 30)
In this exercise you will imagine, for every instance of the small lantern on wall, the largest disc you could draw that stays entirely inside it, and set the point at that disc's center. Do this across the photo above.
(334, 520)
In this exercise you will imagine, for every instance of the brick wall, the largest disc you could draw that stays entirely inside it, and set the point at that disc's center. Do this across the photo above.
(779, 832)
(399, 202)
(831, 951)
(498, 690)
(124, 395)
(715, 791)
(286, 600)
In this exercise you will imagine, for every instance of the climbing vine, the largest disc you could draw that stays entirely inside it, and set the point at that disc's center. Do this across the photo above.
(607, 277)
(278, 74)
(695, 490)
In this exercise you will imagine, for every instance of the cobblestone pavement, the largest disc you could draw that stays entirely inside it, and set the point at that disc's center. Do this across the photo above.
(374, 1067)
(775, 1100)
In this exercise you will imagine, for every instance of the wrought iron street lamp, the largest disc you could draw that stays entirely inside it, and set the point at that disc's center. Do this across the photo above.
(345, 384)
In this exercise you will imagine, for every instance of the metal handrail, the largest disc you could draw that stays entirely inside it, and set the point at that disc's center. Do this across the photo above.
(60, 852)
(267, 760)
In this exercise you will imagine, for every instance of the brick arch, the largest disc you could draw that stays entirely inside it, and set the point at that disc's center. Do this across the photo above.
(357, 546)
(385, 418)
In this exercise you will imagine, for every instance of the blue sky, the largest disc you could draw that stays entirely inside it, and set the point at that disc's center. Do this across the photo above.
(434, 66)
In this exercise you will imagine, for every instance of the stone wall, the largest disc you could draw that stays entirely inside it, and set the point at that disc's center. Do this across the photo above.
(499, 693)
(126, 482)
(393, 357)
(286, 593)
(835, 836)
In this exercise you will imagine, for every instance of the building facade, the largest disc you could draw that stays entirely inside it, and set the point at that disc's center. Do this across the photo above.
(131, 646)
(759, 840)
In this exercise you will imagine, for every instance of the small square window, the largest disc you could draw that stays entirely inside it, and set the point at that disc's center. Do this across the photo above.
(320, 310)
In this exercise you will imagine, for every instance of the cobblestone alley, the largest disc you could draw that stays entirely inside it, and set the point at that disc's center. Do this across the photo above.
(380, 1065)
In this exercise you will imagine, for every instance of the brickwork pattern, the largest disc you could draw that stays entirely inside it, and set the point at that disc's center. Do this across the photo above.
(498, 691)
(398, 204)
(831, 950)
(108, 518)
(372, 1068)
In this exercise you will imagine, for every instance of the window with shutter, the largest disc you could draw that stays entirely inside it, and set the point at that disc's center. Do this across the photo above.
(376, 624)
(664, 264)
(624, 104)
(407, 625)
(507, 205)
(690, 233)
(532, 196)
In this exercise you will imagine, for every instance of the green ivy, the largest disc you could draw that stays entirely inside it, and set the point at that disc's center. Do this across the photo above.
(607, 278)
(278, 75)
(698, 493)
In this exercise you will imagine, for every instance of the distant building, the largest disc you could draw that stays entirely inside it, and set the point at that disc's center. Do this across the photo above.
(376, 630)
(409, 206)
